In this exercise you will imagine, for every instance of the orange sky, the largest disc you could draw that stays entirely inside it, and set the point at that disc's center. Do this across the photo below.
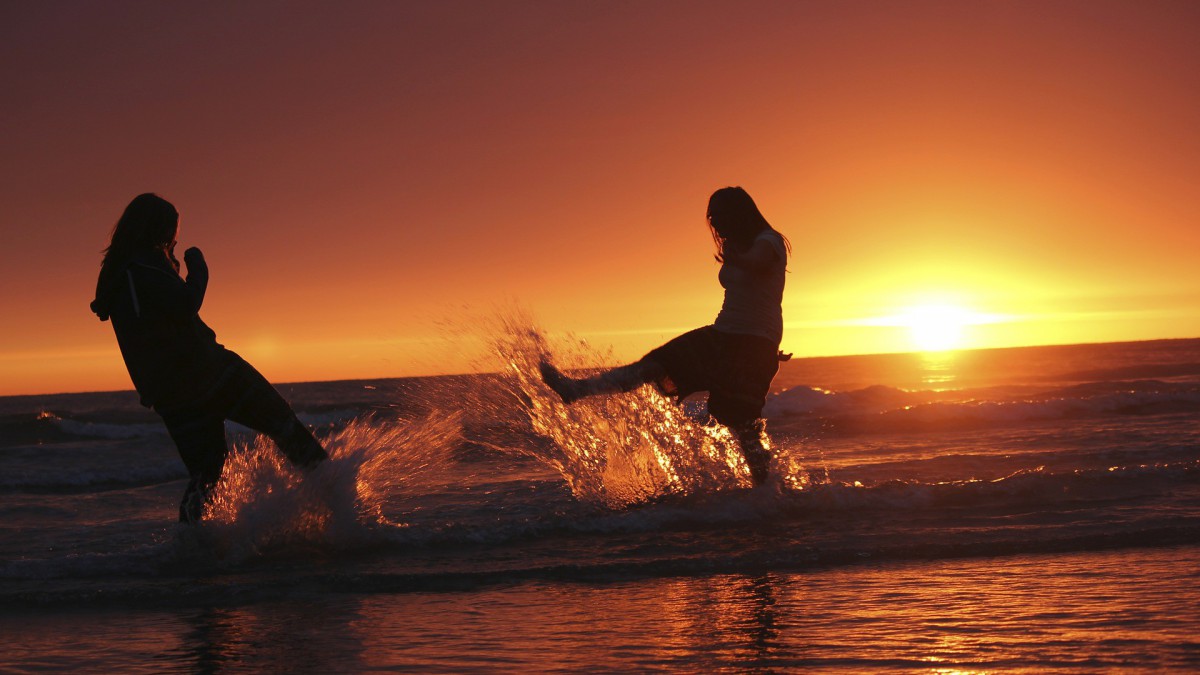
(362, 176)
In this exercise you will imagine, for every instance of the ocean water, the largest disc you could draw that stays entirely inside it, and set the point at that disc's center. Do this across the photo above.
(1031, 509)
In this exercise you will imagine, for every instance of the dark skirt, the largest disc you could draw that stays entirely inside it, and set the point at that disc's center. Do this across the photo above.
(736, 370)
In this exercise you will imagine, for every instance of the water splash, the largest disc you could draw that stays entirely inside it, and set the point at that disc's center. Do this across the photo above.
(623, 449)
(262, 502)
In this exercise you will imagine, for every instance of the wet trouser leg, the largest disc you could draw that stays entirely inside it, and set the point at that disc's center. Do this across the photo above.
(200, 439)
(260, 407)
(622, 379)
(751, 437)
(244, 396)
(740, 414)
(614, 381)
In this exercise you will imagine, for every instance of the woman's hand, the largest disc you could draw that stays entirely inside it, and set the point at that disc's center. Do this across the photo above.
(194, 258)
(197, 276)
(196, 267)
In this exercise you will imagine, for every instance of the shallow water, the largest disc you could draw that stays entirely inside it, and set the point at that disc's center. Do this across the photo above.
(1078, 612)
(1010, 510)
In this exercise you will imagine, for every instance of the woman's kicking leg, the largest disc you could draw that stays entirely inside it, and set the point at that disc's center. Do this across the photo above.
(615, 381)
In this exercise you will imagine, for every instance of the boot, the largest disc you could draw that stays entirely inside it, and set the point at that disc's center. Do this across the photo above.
(191, 508)
(567, 388)
(300, 447)
(752, 440)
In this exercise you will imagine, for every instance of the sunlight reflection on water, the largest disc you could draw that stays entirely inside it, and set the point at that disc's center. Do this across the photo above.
(1073, 613)
(938, 369)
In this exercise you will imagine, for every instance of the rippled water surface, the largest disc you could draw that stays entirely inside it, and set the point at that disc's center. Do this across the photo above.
(1015, 510)
(1081, 612)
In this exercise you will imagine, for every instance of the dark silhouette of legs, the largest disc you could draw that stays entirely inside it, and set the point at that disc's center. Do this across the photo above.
(200, 439)
(737, 411)
(750, 437)
(615, 381)
(261, 408)
(244, 396)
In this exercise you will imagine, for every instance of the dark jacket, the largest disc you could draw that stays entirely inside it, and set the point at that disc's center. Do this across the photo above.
(173, 358)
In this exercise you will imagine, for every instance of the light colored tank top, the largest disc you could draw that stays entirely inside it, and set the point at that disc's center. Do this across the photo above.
(754, 299)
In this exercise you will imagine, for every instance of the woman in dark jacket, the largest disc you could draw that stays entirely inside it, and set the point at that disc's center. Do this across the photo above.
(176, 364)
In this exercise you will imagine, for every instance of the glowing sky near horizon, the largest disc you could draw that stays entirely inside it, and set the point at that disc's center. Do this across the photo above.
(369, 181)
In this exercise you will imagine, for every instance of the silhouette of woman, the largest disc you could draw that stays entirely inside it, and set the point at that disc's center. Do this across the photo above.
(735, 358)
(176, 364)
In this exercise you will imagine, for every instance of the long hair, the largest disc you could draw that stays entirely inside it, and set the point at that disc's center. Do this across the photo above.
(733, 217)
(149, 222)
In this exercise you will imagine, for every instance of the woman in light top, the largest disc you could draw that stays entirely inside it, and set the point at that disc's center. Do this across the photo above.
(735, 358)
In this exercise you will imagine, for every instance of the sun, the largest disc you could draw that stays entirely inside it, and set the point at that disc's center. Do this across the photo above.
(936, 328)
